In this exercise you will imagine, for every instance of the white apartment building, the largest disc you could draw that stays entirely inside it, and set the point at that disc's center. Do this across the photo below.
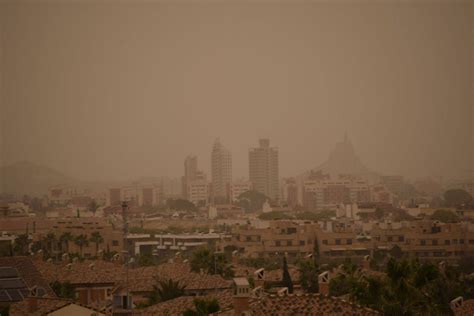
(198, 191)
(238, 187)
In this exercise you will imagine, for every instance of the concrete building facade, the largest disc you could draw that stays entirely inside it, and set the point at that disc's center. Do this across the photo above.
(264, 169)
(221, 172)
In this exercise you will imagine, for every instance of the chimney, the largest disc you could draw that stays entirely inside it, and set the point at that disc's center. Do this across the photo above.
(178, 258)
(323, 282)
(366, 262)
(241, 296)
(259, 277)
(457, 304)
(32, 304)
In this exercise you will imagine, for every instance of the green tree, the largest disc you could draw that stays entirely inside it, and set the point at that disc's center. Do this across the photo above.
(211, 262)
(203, 307)
(81, 241)
(145, 260)
(63, 289)
(286, 278)
(93, 206)
(274, 215)
(21, 245)
(251, 201)
(396, 252)
(180, 205)
(445, 216)
(165, 290)
(456, 197)
(51, 242)
(309, 272)
(64, 240)
(96, 238)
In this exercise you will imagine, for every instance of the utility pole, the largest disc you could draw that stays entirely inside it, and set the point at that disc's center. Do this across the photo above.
(125, 249)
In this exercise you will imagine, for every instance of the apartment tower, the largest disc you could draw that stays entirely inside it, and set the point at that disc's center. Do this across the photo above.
(263, 169)
(221, 172)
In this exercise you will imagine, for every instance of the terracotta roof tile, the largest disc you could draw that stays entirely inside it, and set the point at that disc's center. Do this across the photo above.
(177, 306)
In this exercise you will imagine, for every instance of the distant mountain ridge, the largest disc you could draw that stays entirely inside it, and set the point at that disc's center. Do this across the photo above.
(29, 178)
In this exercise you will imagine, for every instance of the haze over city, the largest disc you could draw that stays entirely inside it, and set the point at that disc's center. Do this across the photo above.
(101, 91)
(230, 158)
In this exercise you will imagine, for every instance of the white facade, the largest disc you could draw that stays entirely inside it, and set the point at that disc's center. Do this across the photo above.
(239, 187)
(197, 191)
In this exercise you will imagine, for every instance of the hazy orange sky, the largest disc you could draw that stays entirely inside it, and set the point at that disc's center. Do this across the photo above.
(114, 90)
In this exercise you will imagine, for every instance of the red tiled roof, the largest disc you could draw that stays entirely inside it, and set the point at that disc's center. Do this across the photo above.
(44, 306)
(307, 304)
(304, 305)
(177, 306)
(467, 308)
(140, 279)
(80, 272)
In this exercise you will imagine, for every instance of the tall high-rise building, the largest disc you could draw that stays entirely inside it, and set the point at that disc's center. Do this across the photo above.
(190, 173)
(263, 169)
(221, 172)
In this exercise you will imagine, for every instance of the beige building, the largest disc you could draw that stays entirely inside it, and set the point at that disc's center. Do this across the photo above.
(221, 172)
(427, 240)
(238, 187)
(263, 169)
(135, 195)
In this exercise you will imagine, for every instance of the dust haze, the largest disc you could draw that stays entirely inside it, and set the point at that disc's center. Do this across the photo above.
(102, 90)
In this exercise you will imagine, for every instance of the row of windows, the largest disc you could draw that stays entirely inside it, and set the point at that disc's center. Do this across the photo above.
(434, 242)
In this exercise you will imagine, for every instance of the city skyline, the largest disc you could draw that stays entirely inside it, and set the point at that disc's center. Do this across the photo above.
(131, 101)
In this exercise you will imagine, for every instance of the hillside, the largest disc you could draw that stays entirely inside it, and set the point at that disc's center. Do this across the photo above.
(29, 178)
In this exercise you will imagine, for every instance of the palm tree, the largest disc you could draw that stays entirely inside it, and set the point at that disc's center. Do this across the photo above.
(203, 307)
(93, 206)
(64, 239)
(165, 290)
(96, 238)
(50, 242)
(81, 241)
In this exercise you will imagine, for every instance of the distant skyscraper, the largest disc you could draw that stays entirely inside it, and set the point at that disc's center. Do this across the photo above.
(263, 169)
(190, 173)
(221, 171)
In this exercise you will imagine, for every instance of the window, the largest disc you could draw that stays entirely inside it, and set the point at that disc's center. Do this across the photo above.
(349, 241)
(289, 243)
(115, 243)
(302, 242)
(325, 242)
(434, 242)
(291, 230)
(389, 238)
(338, 241)
(471, 241)
(423, 242)
(455, 241)
(461, 241)
(401, 238)
(277, 243)
(447, 242)
(248, 238)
